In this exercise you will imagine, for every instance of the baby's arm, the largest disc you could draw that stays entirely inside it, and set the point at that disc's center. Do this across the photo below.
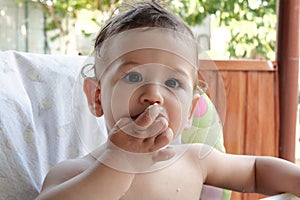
(274, 176)
(98, 181)
(265, 175)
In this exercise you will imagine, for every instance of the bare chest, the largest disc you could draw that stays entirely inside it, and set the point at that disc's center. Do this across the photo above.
(179, 181)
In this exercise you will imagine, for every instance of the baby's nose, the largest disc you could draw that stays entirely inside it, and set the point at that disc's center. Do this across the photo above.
(152, 94)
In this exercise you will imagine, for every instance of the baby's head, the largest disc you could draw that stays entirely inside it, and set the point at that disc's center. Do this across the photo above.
(132, 19)
(144, 55)
(139, 15)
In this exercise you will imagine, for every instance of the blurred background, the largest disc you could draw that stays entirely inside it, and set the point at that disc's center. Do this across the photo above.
(225, 29)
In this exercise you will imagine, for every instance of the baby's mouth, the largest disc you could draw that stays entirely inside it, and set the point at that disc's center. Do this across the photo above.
(152, 112)
(135, 116)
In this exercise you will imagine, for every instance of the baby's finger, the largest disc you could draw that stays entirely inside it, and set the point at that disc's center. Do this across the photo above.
(148, 116)
(163, 139)
(164, 154)
(158, 126)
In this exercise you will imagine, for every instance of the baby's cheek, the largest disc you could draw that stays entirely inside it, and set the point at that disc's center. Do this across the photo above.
(176, 121)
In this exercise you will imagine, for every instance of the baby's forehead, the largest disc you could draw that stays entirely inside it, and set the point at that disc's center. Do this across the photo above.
(153, 62)
(159, 40)
(154, 56)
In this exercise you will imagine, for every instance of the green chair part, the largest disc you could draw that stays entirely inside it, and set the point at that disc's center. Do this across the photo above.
(206, 128)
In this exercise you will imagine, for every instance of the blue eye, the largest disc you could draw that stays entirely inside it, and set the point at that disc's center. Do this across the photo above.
(133, 77)
(172, 83)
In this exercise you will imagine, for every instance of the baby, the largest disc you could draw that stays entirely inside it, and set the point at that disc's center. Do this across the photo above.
(146, 87)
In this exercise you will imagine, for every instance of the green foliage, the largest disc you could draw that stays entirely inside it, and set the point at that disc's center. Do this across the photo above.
(59, 10)
(232, 14)
(191, 11)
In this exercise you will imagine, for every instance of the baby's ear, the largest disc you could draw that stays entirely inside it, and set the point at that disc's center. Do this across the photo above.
(195, 101)
(92, 91)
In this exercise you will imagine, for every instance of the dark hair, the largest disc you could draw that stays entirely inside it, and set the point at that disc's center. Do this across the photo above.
(139, 15)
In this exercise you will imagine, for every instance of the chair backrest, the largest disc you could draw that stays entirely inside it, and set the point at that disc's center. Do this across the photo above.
(37, 129)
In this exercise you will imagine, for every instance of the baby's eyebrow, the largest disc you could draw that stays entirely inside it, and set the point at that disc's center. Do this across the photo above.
(124, 65)
(182, 73)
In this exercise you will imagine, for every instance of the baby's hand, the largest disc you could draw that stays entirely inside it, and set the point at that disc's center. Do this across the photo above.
(135, 146)
(148, 133)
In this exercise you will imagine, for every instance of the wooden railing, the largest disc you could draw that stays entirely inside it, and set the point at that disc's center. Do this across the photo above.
(246, 96)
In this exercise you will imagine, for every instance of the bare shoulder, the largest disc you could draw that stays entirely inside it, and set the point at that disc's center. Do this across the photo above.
(207, 157)
(203, 151)
(66, 170)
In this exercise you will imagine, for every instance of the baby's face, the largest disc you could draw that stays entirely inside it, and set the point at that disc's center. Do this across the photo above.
(141, 78)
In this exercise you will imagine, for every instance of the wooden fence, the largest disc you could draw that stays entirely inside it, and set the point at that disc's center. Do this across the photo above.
(246, 96)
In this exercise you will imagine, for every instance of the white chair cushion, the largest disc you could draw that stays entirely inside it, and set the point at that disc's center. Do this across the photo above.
(37, 128)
